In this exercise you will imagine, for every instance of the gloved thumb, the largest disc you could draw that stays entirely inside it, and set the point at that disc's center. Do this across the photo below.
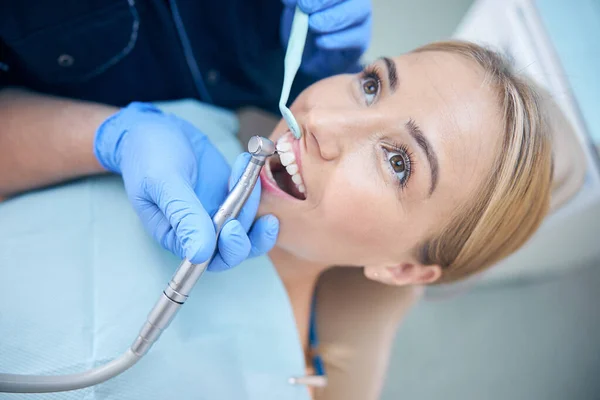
(248, 212)
(191, 228)
(234, 247)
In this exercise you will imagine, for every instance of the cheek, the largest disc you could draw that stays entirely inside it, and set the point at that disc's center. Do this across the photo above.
(360, 212)
(357, 221)
(333, 92)
(349, 207)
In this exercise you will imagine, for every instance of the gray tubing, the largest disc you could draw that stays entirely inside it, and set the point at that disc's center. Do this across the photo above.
(43, 384)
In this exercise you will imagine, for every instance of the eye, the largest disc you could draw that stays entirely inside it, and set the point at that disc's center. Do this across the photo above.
(371, 84)
(400, 163)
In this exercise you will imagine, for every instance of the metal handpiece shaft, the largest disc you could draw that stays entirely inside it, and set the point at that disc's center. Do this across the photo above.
(186, 276)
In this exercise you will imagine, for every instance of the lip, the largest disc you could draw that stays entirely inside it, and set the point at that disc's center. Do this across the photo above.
(269, 185)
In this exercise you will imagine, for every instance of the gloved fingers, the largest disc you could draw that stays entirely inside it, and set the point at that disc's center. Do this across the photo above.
(357, 37)
(155, 222)
(263, 235)
(234, 247)
(312, 6)
(192, 226)
(248, 212)
(340, 16)
(214, 173)
(217, 264)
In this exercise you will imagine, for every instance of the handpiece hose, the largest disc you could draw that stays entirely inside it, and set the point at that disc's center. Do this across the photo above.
(174, 295)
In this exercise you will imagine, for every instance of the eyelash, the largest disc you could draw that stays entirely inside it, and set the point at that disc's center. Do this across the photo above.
(407, 157)
(371, 72)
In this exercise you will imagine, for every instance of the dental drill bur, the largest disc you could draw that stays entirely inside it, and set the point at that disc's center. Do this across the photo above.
(172, 298)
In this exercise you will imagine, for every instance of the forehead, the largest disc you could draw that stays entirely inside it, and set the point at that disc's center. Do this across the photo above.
(448, 97)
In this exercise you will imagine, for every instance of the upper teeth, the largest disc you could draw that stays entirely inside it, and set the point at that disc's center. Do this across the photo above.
(288, 160)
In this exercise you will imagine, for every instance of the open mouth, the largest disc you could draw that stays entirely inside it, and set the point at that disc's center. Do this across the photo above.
(284, 169)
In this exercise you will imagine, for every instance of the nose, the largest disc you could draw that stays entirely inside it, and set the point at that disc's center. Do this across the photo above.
(340, 130)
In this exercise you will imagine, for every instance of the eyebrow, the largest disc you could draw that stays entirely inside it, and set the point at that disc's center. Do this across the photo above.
(413, 128)
(392, 73)
(422, 141)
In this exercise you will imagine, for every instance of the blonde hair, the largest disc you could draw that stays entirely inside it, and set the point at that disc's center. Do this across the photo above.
(515, 197)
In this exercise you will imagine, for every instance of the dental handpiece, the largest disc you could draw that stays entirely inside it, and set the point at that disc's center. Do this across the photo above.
(172, 298)
(186, 276)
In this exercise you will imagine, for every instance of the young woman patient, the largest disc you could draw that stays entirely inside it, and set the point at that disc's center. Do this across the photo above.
(423, 169)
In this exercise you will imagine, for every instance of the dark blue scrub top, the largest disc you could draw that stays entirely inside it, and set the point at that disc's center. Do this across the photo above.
(224, 52)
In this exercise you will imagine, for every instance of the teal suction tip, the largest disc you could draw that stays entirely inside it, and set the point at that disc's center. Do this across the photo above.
(291, 121)
(293, 58)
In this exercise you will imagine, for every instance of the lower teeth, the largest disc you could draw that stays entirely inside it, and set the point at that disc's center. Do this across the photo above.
(279, 174)
(284, 182)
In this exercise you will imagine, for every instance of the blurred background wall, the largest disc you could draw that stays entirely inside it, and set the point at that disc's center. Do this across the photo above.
(402, 25)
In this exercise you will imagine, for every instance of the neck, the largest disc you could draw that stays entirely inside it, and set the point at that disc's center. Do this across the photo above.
(299, 277)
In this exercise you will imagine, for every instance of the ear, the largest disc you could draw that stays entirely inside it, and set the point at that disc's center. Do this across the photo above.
(404, 274)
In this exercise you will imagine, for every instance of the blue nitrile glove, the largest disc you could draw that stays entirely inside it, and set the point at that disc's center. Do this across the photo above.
(176, 179)
(339, 33)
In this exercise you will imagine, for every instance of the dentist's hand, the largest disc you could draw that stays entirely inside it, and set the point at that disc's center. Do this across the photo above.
(176, 179)
(339, 33)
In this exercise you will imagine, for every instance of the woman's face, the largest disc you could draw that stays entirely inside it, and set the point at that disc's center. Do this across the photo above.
(385, 159)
